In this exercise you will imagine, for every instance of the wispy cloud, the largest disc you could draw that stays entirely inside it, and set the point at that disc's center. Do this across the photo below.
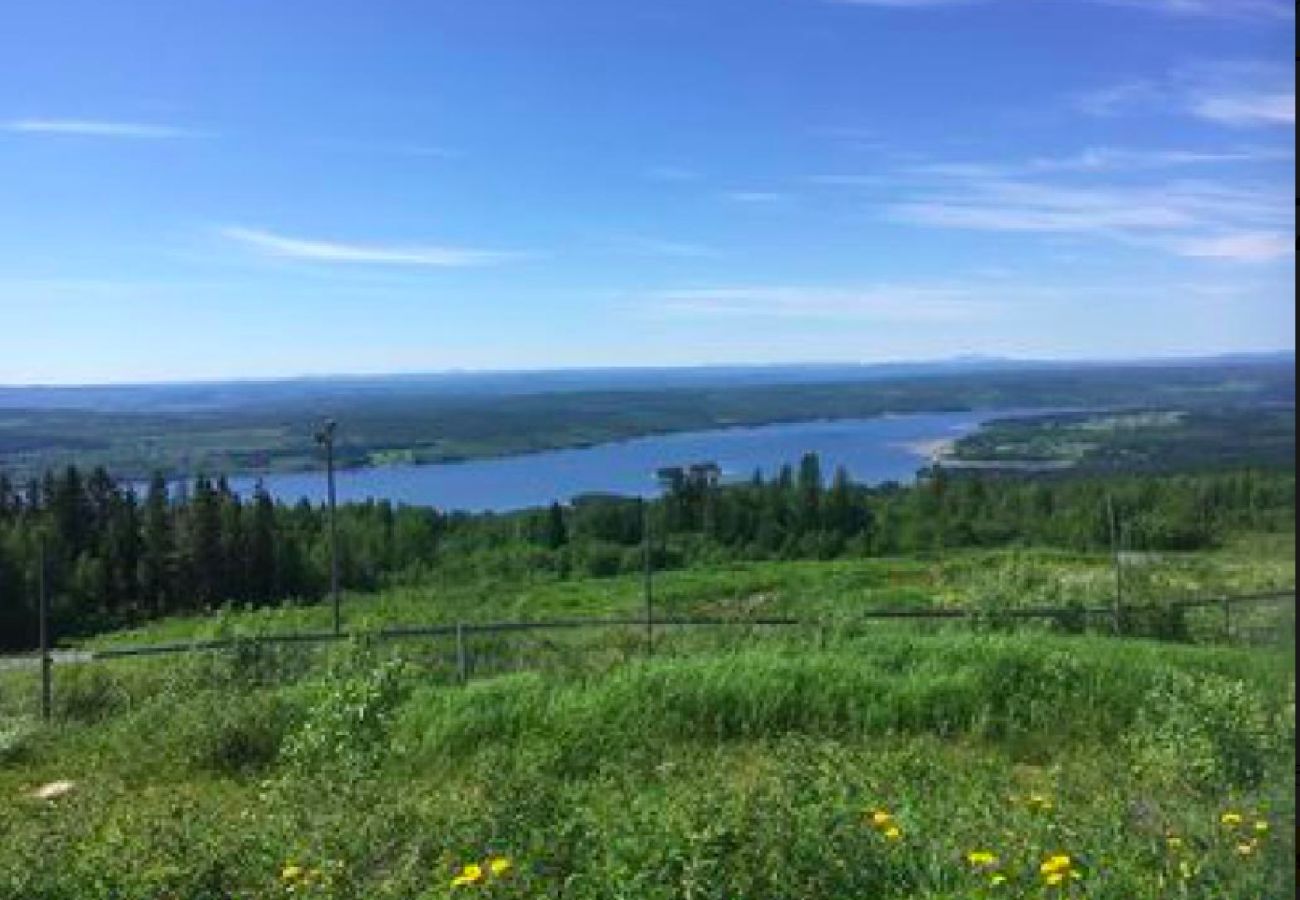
(1197, 218)
(386, 148)
(100, 129)
(1248, 246)
(671, 173)
(641, 245)
(1264, 9)
(1232, 9)
(755, 198)
(1276, 108)
(882, 303)
(436, 256)
(1237, 94)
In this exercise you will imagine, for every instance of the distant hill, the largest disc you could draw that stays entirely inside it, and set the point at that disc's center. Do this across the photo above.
(214, 396)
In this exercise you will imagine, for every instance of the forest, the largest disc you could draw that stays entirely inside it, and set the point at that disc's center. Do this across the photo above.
(112, 557)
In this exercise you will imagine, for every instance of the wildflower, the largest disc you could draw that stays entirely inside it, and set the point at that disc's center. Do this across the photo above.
(881, 818)
(1230, 819)
(1261, 826)
(1174, 842)
(893, 833)
(1057, 868)
(981, 859)
(500, 866)
(997, 878)
(291, 872)
(1039, 802)
(469, 874)
(1057, 863)
(1246, 848)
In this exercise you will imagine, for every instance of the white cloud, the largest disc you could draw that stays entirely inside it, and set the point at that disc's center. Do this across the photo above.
(757, 198)
(377, 254)
(651, 246)
(1191, 218)
(1265, 9)
(1231, 9)
(95, 128)
(1237, 94)
(1247, 109)
(1249, 246)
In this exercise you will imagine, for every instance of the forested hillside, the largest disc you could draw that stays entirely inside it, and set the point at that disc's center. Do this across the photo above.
(113, 558)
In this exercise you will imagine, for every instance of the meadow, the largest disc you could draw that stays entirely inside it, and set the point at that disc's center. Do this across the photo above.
(845, 759)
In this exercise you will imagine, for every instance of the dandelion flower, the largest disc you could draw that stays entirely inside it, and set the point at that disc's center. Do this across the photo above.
(1261, 826)
(1058, 862)
(470, 874)
(893, 833)
(981, 858)
(997, 878)
(500, 865)
(291, 872)
(1230, 819)
(1055, 878)
(881, 818)
(1246, 849)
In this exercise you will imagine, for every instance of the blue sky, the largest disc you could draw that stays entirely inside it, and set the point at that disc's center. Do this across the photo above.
(240, 188)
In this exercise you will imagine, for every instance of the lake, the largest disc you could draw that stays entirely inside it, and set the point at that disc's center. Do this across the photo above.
(887, 448)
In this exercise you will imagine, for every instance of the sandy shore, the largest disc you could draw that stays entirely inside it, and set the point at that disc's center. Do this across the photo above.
(933, 449)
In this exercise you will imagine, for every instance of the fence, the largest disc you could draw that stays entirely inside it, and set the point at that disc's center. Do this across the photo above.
(464, 659)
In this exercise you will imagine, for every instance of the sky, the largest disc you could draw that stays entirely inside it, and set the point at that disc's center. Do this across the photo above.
(236, 188)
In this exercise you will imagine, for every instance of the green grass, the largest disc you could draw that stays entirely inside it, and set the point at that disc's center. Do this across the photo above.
(834, 591)
(746, 772)
(735, 763)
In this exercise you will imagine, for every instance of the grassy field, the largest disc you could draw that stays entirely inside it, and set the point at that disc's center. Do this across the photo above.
(846, 761)
(831, 592)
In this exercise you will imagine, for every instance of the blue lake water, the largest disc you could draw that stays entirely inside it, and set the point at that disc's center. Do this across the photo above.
(872, 450)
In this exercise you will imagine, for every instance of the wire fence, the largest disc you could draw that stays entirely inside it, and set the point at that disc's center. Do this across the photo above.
(460, 651)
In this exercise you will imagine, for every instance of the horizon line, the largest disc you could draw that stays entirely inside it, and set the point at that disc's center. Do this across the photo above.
(973, 358)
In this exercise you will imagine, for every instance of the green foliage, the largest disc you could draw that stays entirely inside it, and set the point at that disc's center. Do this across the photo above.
(749, 773)
(346, 722)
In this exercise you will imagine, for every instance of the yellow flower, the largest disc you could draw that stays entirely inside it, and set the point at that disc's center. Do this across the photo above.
(1039, 802)
(1174, 842)
(1230, 819)
(470, 874)
(500, 865)
(1261, 826)
(981, 858)
(1246, 849)
(1055, 877)
(892, 833)
(997, 878)
(881, 818)
(1056, 863)
(291, 872)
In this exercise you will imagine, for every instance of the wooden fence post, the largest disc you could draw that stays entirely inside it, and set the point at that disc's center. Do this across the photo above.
(462, 659)
(43, 604)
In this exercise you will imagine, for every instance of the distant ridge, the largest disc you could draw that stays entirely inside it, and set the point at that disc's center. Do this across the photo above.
(193, 396)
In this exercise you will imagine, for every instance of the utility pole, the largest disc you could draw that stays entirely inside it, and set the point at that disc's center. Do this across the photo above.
(1119, 571)
(649, 577)
(326, 437)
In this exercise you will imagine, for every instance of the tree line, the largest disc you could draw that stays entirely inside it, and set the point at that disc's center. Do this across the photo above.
(115, 554)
